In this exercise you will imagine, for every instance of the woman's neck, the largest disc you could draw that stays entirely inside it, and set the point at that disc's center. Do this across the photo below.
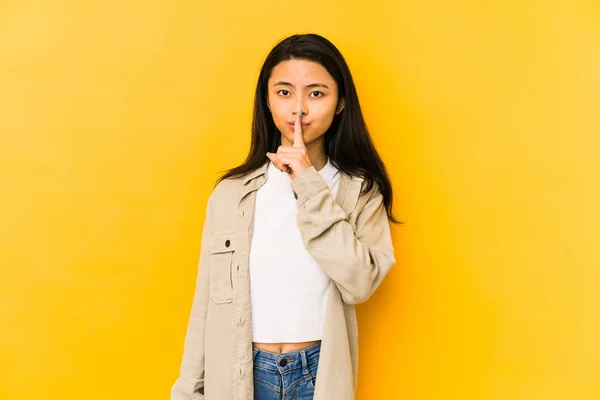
(317, 156)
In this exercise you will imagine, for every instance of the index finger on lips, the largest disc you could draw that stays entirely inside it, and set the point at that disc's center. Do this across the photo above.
(298, 135)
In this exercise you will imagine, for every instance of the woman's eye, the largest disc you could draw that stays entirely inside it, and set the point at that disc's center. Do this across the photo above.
(316, 93)
(283, 92)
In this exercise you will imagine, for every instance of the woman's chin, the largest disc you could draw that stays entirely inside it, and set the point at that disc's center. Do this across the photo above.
(287, 139)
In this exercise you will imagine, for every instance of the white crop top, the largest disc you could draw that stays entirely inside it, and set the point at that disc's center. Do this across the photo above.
(288, 288)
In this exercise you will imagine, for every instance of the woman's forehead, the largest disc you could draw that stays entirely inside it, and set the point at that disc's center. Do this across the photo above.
(301, 73)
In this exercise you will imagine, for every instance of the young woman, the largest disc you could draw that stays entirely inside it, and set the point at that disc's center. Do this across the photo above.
(294, 237)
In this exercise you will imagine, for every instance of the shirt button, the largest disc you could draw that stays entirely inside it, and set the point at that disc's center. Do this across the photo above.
(227, 243)
(295, 196)
(283, 362)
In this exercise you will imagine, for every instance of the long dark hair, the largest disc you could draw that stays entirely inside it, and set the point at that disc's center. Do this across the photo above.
(347, 141)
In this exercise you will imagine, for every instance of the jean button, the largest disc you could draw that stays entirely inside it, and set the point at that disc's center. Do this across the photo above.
(283, 362)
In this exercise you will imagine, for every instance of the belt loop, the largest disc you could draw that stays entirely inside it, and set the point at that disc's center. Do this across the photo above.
(304, 362)
(254, 352)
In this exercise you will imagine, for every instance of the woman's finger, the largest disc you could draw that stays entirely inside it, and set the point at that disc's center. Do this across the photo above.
(278, 163)
(298, 135)
(274, 159)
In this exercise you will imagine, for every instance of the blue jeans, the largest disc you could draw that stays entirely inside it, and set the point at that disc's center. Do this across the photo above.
(286, 376)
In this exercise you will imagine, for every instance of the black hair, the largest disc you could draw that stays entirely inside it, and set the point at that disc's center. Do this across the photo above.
(348, 143)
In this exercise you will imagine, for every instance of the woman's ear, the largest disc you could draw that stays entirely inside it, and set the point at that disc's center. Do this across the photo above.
(340, 106)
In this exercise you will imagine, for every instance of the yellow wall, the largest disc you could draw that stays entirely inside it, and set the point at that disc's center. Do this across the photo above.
(115, 118)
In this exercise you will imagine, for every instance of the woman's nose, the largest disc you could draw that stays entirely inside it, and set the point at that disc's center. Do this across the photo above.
(300, 110)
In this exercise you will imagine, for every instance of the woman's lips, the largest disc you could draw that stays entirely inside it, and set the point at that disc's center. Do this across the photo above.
(293, 125)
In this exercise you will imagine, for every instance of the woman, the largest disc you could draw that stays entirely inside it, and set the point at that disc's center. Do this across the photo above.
(294, 237)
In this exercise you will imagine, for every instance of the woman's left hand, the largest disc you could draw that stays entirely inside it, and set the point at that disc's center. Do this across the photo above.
(293, 160)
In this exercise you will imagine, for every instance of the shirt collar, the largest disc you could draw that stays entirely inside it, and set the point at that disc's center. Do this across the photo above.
(262, 170)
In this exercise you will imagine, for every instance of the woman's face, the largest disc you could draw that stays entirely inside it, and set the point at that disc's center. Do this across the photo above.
(296, 84)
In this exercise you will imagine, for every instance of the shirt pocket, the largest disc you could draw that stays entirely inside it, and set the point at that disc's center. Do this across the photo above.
(222, 252)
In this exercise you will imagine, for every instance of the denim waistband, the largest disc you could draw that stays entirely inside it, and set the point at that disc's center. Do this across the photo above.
(307, 355)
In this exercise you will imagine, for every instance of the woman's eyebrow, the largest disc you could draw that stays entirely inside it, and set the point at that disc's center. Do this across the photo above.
(312, 85)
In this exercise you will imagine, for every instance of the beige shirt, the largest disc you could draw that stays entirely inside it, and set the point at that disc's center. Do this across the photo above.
(350, 238)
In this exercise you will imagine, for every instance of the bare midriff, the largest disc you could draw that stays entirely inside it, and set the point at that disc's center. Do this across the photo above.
(280, 348)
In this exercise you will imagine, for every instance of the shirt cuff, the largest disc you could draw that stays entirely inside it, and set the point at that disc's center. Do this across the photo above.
(307, 185)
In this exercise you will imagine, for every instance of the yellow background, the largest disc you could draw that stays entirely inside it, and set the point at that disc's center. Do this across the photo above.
(116, 117)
